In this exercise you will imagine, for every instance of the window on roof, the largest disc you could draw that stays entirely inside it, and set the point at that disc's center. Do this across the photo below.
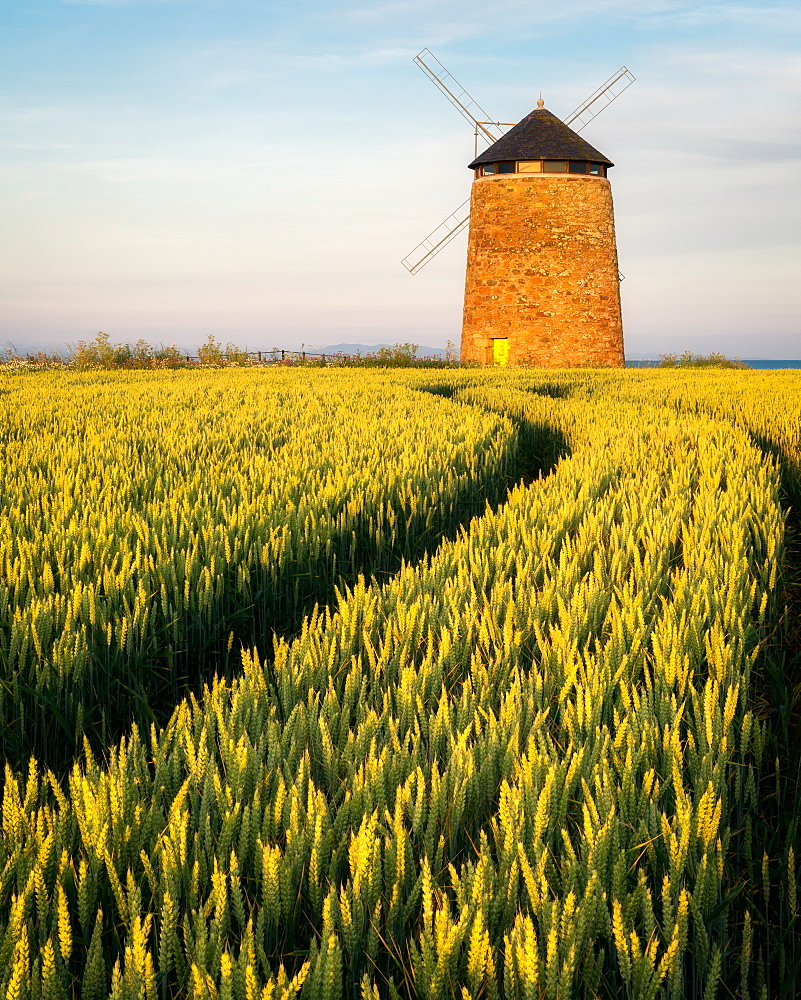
(555, 166)
(506, 168)
(529, 167)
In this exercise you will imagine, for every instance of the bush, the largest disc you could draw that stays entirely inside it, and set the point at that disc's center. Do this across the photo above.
(213, 353)
(10, 359)
(101, 353)
(397, 356)
(689, 360)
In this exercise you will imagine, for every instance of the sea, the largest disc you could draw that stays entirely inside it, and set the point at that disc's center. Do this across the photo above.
(762, 363)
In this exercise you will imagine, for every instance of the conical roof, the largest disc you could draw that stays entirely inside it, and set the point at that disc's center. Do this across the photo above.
(540, 136)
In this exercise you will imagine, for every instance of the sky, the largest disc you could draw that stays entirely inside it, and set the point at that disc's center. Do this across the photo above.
(256, 171)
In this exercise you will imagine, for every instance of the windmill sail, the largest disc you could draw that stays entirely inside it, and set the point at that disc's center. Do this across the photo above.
(467, 106)
(600, 99)
(439, 238)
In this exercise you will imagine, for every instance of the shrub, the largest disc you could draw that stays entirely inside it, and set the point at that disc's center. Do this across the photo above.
(689, 360)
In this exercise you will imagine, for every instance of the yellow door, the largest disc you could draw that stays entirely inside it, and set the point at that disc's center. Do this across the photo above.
(500, 351)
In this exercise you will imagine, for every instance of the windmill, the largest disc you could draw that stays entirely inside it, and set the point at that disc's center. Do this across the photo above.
(542, 278)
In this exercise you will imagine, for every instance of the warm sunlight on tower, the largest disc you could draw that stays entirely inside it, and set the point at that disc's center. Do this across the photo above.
(542, 284)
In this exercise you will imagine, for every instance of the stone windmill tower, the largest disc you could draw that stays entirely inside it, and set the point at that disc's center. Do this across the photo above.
(542, 282)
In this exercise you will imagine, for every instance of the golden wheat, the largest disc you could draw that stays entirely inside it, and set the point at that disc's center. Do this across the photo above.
(515, 769)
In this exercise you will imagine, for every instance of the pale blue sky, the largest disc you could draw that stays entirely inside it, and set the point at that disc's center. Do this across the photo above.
(257, 170)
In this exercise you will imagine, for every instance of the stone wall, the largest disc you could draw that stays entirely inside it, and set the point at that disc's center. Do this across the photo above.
(542, 271)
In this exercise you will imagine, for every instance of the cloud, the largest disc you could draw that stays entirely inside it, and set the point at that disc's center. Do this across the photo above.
(36, 147)
(502, 13)
(333, 61)
(775, 66)
(120, 3)
(142, 169)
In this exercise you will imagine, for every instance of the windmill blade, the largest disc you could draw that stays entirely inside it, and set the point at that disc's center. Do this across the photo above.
(458, 96)
(436, 240)
(601, 99)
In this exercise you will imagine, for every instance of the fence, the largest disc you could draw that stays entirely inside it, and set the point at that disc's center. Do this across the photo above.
(279, 355)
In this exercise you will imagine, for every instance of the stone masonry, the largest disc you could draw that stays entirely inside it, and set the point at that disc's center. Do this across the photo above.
(542, 271)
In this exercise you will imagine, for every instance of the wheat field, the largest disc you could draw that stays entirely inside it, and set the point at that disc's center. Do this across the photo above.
(397, 684)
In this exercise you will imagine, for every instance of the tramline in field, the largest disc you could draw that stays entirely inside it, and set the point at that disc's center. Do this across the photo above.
(525, 762)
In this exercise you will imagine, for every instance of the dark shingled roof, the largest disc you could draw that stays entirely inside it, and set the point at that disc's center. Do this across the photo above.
(540, 136)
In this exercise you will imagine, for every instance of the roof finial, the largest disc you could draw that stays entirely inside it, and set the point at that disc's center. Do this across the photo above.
(540, 102)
